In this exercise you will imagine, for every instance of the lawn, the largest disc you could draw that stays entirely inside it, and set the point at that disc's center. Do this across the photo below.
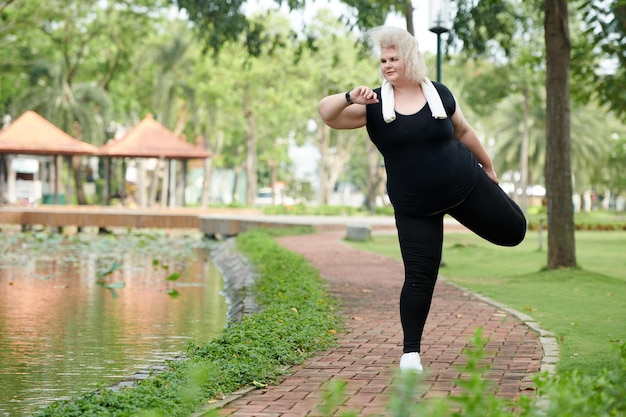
(584, 307)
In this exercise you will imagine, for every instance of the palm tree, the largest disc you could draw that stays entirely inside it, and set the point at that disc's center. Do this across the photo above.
(590, 138)
(82, 110)
(173, 98)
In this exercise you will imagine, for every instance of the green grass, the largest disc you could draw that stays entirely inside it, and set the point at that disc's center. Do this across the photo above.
(584, 307)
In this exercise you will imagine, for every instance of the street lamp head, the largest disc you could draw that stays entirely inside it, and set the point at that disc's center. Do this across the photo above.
(439, 22)
(438, 29)
(439, 19)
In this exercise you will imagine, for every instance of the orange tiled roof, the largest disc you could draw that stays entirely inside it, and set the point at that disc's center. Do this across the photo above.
(31, 134)
(150, 139)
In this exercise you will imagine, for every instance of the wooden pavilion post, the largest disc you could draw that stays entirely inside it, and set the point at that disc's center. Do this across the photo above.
(183, 199)
(3, 177)
(58, 181)
(107, 181)
(165, 185)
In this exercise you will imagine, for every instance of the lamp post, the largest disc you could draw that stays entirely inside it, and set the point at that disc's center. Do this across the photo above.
(439, 23)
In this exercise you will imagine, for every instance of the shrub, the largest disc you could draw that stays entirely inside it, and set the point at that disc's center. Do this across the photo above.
(571, 394)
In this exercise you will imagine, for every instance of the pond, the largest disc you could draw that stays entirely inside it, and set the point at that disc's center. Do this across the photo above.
(83, 311)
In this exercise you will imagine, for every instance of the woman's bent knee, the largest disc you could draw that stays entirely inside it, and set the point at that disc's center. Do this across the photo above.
(516, 234)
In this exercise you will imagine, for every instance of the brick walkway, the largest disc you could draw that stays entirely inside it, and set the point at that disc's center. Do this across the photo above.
(368, 353)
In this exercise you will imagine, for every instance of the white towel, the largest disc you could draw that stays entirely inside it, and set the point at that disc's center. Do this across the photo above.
(430, 92)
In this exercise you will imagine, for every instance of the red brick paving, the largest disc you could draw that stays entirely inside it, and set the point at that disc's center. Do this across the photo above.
(368, 353)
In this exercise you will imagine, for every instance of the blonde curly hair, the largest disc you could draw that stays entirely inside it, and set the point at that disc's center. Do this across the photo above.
(407, 46)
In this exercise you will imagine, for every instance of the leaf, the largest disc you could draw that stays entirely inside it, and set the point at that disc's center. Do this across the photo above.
(172, 293)
(259, 384)
(116, 265)
(155, 262)
(173, 277)
(114, 293)
(103, 284)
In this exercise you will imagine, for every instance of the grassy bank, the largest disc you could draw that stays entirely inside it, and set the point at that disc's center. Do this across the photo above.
(297, 319)
(585, 307)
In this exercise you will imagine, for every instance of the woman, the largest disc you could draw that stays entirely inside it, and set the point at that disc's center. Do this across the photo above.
(435, 164)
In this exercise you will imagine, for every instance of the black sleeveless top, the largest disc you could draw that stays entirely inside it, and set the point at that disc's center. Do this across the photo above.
(428, 169)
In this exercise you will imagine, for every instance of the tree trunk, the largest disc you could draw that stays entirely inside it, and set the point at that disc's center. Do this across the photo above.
(77, 168)
(335, 161)
(251, 147)
(524, 151)
(68, 180)
(3, 178)
(207, 172)
(141, 183)
(375, 174)
(107, 181)
(173, 192)
(235, 191)
(323, 140)
(182, 182)
(154, 182)
(58, 180)
(165, 184)
(559, 190)
(274, 181)
(408, 14)
(123, 184)
(214, 149)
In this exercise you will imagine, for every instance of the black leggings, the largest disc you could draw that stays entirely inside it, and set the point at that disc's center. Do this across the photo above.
(487, 211)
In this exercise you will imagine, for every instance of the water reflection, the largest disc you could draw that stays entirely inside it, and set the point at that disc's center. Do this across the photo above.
(62, 333)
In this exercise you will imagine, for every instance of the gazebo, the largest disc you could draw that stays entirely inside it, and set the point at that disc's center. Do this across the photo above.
(150, 141)
(31, 134)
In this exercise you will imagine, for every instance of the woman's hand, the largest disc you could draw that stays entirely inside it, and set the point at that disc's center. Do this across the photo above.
(339, 113)
(491, 173)
(363, 95)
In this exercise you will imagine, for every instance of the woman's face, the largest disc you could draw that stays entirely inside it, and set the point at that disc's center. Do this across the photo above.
(392, 67)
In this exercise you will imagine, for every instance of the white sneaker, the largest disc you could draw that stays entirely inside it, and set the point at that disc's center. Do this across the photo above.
(411, 362)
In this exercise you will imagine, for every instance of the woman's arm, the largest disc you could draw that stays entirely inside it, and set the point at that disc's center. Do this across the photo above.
(339, 114)
(467, 136)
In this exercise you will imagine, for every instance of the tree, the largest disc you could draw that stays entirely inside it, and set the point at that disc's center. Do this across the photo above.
(70, 73)
(561, 242)
(271, 106)
(253, 104)
(615, 179)
(371, 14)
(167, 59)
(609, 172)
(80, 110)
(336, 64)
(503, 97)
(490, 26)
(483, 27)
(219, 22)
(215, 118)
(606, 66)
